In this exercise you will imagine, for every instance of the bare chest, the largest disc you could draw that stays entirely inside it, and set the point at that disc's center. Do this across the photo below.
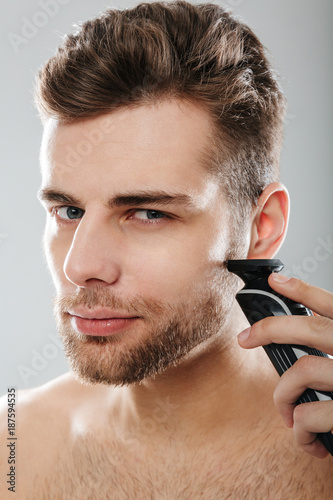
(90, 469)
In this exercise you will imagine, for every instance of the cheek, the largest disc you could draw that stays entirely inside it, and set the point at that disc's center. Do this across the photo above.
(171, 268)
(218, 247)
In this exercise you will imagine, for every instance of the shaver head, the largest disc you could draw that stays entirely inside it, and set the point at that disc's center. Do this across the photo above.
(249, 269)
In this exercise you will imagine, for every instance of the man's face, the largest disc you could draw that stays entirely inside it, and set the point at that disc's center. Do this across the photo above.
(136, 239)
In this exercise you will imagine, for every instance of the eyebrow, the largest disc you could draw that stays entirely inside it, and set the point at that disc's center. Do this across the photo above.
(138, 198)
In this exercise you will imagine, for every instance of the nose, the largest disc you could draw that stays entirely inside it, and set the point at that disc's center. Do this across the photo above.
(93, 257)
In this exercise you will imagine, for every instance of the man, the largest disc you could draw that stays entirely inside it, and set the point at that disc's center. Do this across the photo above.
(162, 131)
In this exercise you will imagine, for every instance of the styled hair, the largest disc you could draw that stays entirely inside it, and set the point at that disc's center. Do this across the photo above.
(177, 50)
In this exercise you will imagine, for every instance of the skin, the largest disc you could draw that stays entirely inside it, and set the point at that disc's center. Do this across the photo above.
(209, 391)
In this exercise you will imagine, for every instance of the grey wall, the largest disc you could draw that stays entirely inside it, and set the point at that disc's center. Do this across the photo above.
(298, 36)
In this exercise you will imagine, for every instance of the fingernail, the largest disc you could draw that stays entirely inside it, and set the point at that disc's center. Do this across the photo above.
(244, 334)
(279, 278)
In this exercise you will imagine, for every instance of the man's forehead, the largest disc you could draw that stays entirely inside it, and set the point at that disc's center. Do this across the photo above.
(132, 150)
(168, 126)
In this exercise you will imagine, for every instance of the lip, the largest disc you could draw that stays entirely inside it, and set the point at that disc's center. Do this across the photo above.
(101, 313)
(100, 322)
(101, 327)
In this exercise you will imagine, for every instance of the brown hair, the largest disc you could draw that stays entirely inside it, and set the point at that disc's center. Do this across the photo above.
(179, 50)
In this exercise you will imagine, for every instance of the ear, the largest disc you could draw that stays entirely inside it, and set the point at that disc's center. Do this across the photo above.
(270, 222)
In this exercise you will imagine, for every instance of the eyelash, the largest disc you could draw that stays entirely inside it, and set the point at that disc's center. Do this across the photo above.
(54, 213)
(159, 220)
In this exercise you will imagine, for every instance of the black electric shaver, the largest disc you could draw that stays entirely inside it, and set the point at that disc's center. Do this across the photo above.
(258, 300)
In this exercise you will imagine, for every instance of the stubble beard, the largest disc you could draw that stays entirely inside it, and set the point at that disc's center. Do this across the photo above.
(165, 334)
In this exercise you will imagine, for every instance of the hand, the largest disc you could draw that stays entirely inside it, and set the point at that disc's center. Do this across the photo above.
(314, 372)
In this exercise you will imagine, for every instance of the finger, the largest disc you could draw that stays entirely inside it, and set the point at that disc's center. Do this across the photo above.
(313, 297)
(309, 419)
(312, 331)
(308, 371)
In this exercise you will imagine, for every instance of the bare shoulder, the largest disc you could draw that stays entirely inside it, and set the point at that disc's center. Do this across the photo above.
(32, 406)
(34, 410)
(35, 423)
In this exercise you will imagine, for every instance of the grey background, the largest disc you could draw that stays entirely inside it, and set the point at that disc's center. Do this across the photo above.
(298, 35)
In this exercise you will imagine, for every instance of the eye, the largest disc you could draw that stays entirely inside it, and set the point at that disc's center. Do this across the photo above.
(68, 213)
(149, 215)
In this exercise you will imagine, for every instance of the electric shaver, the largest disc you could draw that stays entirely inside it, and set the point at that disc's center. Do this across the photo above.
(258, 300)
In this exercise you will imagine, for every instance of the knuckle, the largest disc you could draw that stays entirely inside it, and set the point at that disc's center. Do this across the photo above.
(304, 364)
(258, 330)
(300, 413)
(321, 324)
(263, 326)
(267, 329)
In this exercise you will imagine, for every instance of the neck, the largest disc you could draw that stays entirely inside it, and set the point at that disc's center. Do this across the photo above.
(218, 384)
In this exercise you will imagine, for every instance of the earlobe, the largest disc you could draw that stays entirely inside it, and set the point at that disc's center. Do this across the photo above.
(270, 222)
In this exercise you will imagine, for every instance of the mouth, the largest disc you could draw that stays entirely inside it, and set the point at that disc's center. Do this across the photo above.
(101, 322)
